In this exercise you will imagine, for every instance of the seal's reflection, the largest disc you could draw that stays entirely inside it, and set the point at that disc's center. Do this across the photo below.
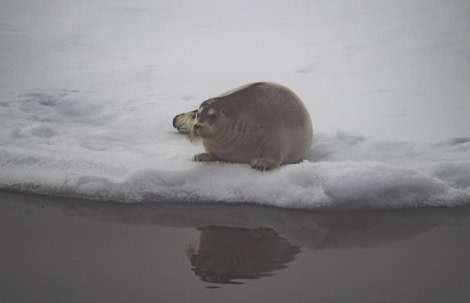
(225, 254)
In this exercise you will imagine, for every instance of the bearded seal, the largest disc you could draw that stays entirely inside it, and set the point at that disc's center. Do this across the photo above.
(263, 124)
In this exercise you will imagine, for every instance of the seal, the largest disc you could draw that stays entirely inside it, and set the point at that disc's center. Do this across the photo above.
(263, 124)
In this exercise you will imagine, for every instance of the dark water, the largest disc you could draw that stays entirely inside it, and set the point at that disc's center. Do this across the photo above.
(62, 250)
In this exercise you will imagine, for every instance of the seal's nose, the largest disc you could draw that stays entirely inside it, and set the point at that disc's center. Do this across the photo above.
(197, 126)
(175, 119)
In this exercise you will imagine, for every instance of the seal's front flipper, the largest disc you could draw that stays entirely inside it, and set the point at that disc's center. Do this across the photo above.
(263, 164)
(204, 157)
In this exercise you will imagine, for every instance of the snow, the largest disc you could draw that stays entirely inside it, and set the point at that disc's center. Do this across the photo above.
(88, 91)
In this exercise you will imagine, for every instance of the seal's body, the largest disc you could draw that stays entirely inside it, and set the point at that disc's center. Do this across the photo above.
(264, 124)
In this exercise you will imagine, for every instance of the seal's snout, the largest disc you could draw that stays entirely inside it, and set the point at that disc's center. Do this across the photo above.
(175, 119)
(197, 126)
(184, 122)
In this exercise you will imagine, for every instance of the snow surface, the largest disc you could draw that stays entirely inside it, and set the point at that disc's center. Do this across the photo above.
(88, 91)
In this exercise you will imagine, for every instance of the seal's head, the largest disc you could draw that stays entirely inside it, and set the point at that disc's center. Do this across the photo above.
(210, 120)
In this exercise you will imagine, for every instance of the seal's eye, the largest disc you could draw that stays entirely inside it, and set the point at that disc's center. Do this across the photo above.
(222, 112)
